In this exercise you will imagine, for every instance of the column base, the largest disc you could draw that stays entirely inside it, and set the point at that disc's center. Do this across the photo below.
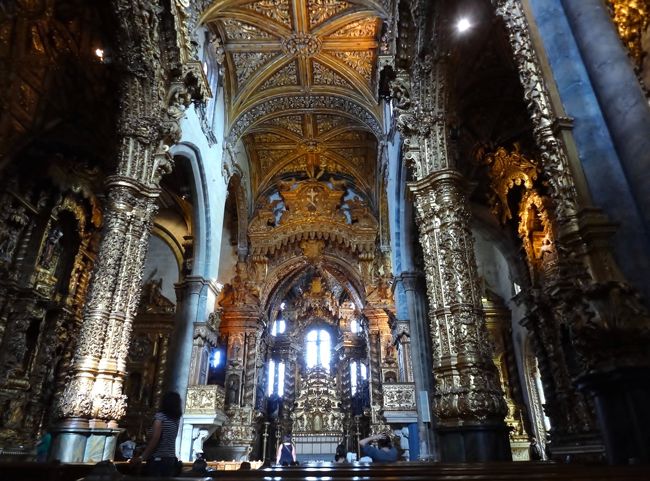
(83, 445)
(477, 443)
(622, 398)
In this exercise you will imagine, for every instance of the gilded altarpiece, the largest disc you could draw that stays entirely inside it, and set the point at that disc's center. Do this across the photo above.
(310, 228)
(48, 234)
(147, 358)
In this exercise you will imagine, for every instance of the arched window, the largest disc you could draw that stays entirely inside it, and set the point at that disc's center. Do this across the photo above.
(275, 378)
(355, 327)
(358, 370)
(318, 349)
(279, 326)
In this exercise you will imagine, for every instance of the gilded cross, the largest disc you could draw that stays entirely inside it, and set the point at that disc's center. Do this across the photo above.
(312, 196)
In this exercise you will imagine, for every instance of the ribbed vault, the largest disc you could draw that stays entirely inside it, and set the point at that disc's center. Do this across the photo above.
(301, 83)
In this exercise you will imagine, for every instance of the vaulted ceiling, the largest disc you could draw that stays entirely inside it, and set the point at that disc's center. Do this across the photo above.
(301, 82)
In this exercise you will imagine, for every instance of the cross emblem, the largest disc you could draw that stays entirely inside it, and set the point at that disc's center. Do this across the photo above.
(312, 196)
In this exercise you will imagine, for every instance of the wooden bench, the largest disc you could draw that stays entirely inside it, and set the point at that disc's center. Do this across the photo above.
(414, 471)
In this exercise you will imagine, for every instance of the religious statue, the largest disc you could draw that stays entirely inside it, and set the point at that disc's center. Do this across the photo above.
(51, 247)
(200, 436)
(232, 390)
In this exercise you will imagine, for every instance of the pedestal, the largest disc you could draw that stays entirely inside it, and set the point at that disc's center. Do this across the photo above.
(622, 398)
(83, 445)
(474, 444)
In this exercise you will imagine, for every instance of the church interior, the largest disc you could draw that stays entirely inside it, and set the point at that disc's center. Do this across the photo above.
(326, 219)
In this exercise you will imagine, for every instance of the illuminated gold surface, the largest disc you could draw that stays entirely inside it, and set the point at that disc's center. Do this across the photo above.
(632, 18)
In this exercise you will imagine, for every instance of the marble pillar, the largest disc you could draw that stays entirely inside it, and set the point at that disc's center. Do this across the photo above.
(618, 90)
(415, 289)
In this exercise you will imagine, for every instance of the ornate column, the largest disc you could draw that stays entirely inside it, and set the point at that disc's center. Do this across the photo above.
(421, 356)
(468, 401)
(619, 93)
(93, 401)
(379, 338)
(604, 328)
(240, 323)
(152, 101)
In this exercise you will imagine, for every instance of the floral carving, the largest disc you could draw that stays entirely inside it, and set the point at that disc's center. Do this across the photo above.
(302, 44)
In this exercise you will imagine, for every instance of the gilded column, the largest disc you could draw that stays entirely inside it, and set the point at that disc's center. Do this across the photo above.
(468, 401)
(93, 399)
(152, 101)
(601, 324)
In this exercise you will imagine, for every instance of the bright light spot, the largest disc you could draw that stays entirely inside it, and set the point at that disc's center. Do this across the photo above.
(282, 306)
(463, 25)
(354, 326)
(216, 358)
(99, 53)
(219, 286)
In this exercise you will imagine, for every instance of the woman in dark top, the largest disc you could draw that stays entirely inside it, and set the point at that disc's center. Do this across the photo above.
(286, 452)
(160, 453)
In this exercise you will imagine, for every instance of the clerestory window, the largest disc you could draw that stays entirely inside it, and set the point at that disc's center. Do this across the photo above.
(318, 349)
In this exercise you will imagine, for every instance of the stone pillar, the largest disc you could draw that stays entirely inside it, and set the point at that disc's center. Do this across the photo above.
(619, 92)
(468, 402)
(93, 401)
(415, 287)
(196, 297)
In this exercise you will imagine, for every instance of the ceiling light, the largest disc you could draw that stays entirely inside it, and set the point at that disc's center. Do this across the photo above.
(99, 53)
(463, 25)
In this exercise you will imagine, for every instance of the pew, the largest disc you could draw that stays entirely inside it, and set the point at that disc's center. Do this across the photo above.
(412, 471)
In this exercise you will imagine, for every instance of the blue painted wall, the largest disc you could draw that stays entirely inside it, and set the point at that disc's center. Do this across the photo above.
(601, 164)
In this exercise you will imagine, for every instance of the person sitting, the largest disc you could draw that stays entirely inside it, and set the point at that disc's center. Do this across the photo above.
(383, 453)
(340, 455)
(200, 465)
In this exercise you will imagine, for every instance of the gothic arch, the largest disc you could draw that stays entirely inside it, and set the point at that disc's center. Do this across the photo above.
(280, 279)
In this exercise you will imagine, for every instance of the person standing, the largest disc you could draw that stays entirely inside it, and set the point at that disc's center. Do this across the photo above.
(160, 452)
(535, 450)
(286, 452)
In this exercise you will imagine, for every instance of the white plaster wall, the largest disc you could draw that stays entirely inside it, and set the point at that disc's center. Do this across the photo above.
(498, 272)
(161, 263)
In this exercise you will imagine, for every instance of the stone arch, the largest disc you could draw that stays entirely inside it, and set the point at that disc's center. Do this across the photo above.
(202, 230)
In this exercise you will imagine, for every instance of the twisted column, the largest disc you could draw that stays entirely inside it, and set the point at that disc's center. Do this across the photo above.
(468, 401)
(93, 398)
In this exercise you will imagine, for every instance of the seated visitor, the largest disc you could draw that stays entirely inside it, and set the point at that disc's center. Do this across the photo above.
(383, 453)
(340, 456)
